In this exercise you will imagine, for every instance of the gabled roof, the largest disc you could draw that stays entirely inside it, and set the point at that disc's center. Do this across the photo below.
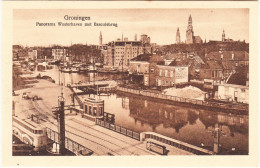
(228, 64)
(212, 65)
(142, 57)
(161, 63)
(148, 58)
(197, 39)
(227, 55)
(198, 60)
(174, 56)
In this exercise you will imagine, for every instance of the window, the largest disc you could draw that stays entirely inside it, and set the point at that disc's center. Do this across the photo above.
(166, 73)
(171, 74)
(94, 111)
(101, 110)
(89, 112)
(160, 73)
(212, 74)
(86, 108)
(152, 70)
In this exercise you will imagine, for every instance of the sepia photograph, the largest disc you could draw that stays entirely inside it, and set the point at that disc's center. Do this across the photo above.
(130, 82)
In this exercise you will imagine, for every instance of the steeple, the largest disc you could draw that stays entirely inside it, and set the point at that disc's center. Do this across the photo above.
(190, 23)
(135, 37)
(178, 36)
(100, 38)
(189, 32)
(223, 35)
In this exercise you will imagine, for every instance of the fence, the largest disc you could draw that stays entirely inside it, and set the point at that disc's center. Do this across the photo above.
(176, 143)
(162, 96)
(69, 144)
(118, 129)
(76, 97)
(185, 100)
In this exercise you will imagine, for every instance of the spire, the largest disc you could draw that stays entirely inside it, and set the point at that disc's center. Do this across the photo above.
(190, 19)
(135, 37)
(190, 24)
(100, 38)
(189, 32)
(223, 35)
(178, 36)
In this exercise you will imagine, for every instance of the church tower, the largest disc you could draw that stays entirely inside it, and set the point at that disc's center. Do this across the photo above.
(223, 35)
(100, 39)
(178, 37)
(189, 32)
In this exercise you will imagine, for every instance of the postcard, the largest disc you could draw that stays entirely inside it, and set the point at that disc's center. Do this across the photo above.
(149, 83)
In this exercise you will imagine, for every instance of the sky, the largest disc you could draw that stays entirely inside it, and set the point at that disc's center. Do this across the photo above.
(160, 24)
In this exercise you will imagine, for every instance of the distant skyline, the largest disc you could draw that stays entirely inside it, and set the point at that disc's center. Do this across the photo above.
(160, 24)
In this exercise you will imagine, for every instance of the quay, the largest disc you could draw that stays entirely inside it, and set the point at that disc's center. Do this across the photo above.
(88, 134)
(208, 105)
(102, 86)
(237, 108)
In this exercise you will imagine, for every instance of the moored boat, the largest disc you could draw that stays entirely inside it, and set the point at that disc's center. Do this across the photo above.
(74, 70)
(66, 70)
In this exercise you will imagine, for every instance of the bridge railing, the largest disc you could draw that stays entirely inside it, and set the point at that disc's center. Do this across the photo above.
(69, 144)
(176, 143)
(78, 100)
(118, 129)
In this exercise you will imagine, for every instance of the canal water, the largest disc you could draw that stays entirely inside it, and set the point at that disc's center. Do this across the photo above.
(194, 126)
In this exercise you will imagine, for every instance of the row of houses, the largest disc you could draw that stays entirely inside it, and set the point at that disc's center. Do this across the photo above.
(39, 53)
(151, 70)
(154, 70)
(214, 65)
(76, 52)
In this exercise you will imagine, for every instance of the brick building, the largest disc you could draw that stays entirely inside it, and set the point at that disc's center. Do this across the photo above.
(168, 75)
(237, 58)
(59, 53)
(211, 70)
(142, 68)
(121, 51)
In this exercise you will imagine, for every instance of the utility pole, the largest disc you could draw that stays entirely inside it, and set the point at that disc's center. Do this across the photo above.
(61, 125)
(216, 139)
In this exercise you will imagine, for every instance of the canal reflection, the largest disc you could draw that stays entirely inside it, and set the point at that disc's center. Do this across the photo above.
(191, 125)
